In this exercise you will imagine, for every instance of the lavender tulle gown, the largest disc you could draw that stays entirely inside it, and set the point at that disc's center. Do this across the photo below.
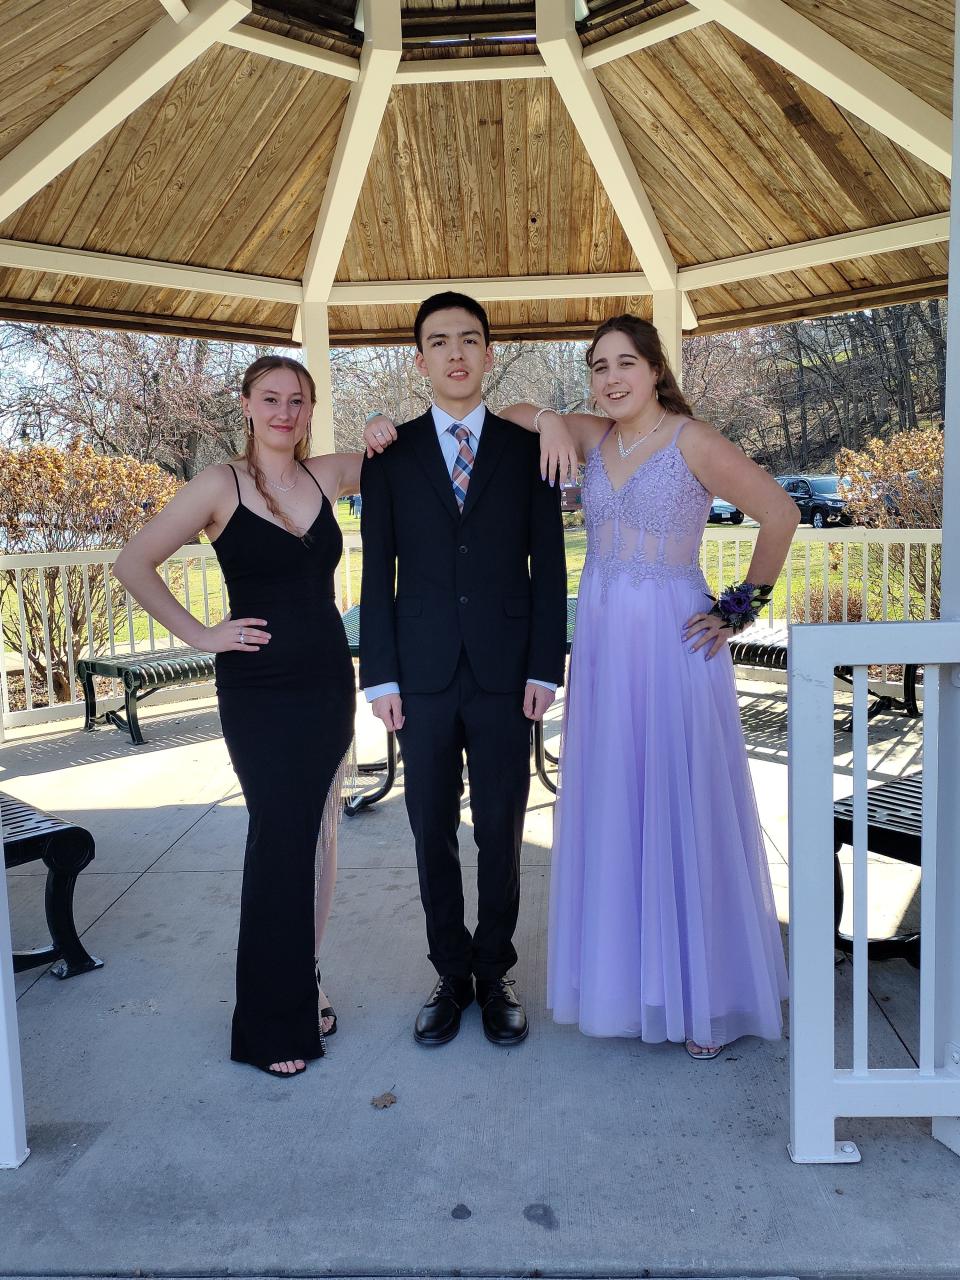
(662, 922)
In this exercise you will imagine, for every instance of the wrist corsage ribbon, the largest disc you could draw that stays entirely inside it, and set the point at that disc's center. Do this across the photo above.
(739, 606)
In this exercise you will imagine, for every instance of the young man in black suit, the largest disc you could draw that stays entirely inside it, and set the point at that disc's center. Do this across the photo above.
(462, 645)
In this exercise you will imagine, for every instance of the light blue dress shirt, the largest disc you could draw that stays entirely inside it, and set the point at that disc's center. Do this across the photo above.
(449, 447)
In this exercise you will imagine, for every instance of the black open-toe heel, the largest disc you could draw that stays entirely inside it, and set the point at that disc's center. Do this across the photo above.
(279, 1075)
(327, 1012)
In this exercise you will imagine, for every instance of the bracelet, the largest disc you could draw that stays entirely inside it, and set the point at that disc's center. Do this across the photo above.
(538, 415)
(739, 606)
(377, 413)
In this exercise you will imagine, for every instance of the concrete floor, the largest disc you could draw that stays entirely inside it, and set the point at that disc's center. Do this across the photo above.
(567, 1156)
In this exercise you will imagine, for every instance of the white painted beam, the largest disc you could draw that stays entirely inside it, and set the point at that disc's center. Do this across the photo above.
(911, 234)
(491, 289)
(688, 315)
(844, 76)
(315, 349)
(471, 70)
(283, 49)
(644, 36)
(584, 99)
(177, 9)
(379, 60)
(666, 316)
(143, 271)
(149, 64)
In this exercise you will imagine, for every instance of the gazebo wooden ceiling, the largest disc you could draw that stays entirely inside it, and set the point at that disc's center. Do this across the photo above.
(285, 170)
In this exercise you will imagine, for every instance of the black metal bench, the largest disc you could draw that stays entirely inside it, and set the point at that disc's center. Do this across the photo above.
(894, 816)
(766, 647)
(142, 674)
(30, 834)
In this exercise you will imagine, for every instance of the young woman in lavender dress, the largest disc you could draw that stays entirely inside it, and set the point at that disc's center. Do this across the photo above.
(662, 922)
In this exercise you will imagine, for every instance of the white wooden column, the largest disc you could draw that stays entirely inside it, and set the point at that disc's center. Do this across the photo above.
(947, 960)
(13, 1128)
(315, 340)
(668, 317)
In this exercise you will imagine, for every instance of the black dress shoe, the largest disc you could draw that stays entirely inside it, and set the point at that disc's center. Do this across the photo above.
(504, 1021)
(439, 1019)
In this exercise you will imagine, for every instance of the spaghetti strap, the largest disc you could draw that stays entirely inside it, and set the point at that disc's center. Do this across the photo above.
(682, 424)
(236, 481)
(313, 478)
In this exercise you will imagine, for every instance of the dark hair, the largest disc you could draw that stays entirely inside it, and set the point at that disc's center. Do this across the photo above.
(646, 340)
(266, 364)
(442, 302)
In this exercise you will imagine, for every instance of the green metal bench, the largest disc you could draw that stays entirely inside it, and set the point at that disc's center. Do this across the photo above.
(142, 674)
(30, 834)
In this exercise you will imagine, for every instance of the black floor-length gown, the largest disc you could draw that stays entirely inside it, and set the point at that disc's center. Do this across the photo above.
(287, 714)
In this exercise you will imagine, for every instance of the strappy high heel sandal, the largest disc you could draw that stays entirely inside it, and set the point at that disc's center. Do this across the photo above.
(327, 1012)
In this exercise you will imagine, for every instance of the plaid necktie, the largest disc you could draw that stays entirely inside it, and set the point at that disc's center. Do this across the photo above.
(463, 463)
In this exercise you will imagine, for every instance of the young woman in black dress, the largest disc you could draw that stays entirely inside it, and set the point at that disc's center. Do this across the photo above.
(285, 687)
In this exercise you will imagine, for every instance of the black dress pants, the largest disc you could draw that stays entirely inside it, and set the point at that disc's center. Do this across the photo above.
(495, 735)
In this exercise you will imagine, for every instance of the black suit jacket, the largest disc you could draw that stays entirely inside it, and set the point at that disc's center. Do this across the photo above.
(491, 581)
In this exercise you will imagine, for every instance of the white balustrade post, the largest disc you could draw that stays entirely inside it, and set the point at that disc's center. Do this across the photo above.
(13, 1128)
(947, 960)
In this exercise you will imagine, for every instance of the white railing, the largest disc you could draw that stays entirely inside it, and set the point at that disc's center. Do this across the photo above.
(824, 579)
(822, 1091)
(38, 591)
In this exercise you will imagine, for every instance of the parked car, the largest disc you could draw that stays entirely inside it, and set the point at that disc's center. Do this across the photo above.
(820, 499)
(721, 510)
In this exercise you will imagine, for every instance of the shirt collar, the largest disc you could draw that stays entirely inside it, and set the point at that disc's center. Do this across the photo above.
(473, 421)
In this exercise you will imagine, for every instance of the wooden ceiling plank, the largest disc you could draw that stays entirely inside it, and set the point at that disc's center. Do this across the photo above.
(691, 90)
(538, 180)
(812, 182)
(514, 100)
(593, 120)
(163, 145)
(51, 259)
(258, 196)
(736, 195)
(492, 160)
(472, 184)
(838, 72)
(379, 59)
(126, 84)
(310, 57)
(567, 240)
(823, 129)
(644, 35)
(923, 189)
(416, 187)
(63, 57)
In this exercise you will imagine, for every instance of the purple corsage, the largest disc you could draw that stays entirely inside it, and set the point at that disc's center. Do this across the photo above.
(740, 605)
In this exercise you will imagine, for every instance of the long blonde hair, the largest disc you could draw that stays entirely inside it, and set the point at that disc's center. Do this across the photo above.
(266, 364)
(646, 339)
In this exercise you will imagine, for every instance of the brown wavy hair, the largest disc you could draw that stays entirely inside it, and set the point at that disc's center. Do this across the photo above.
(266, 364)
(646, 340)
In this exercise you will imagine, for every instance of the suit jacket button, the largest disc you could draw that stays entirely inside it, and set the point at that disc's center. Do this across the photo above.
(463, 599)
(462, 550)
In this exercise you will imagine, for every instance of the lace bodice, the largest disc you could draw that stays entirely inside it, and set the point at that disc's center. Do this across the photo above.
(651, 527)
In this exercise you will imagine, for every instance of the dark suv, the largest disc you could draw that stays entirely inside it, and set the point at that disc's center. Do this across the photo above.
(820, 499)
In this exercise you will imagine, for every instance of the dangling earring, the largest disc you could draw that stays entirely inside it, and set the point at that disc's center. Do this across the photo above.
(249, 422)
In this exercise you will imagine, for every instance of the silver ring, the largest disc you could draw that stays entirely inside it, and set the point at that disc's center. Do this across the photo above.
(242, 641)
(378, 435)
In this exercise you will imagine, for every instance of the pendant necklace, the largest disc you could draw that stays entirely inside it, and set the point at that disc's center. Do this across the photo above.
(625, 453)
(285, 488)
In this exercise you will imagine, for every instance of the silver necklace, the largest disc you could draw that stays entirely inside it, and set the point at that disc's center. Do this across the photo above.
(625, 453)
(285, 488)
